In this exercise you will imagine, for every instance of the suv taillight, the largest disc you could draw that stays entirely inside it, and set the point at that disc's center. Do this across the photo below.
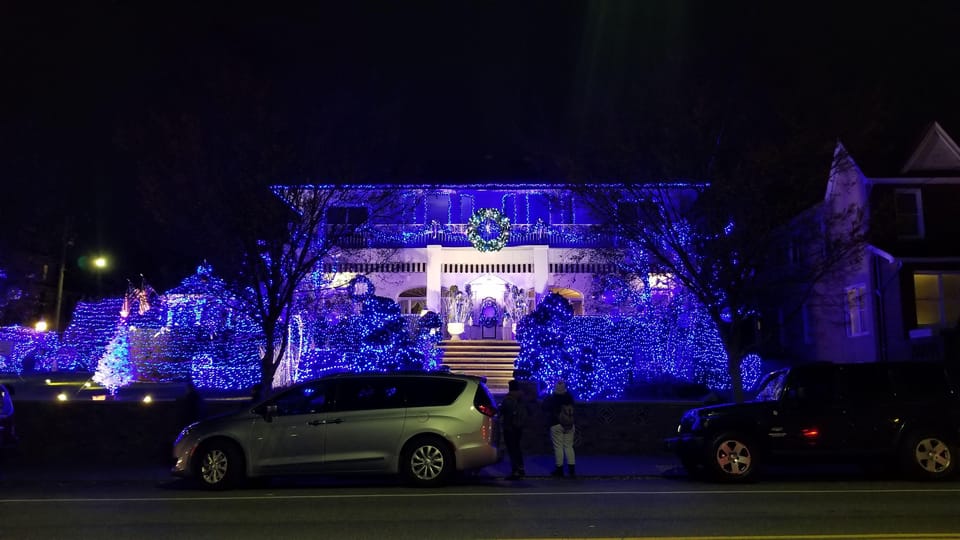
(483, 401)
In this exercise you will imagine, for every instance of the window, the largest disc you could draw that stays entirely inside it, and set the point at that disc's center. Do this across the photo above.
(856, 310)
(309, 399)
(424, 392)
(794, 252)
(347, 215)
(865, 383)
(413, 301)
(908, 208)
(368, 394)
(921, 382)
(937, 298)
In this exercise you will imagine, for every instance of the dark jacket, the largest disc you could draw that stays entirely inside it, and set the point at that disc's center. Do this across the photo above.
(512, 412)
(552, 404)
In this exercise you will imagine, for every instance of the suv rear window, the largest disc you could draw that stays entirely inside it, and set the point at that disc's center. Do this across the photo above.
(433, 392)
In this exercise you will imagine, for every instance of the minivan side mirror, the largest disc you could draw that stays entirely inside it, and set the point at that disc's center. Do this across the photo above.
(267, 411)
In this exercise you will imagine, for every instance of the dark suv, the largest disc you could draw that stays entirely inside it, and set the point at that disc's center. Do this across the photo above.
(8, 433)
(893, 414)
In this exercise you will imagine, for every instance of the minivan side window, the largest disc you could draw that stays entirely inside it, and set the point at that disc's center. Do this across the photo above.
(308, 399)
(423, 392)
(367, 394)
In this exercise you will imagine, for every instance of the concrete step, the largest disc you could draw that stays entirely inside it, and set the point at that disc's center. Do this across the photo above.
(492, 359)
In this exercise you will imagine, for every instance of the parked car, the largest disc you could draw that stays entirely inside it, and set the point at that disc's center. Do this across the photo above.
(8, 430)
(423, 426)
(890, 414)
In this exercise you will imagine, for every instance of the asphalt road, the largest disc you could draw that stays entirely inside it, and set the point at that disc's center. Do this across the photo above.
(156, 506)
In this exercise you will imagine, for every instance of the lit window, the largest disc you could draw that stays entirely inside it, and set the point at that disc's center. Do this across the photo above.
(908, 208)
(937, 297)
(856, 310)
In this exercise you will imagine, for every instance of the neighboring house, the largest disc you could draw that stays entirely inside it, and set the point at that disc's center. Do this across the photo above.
(898, 298)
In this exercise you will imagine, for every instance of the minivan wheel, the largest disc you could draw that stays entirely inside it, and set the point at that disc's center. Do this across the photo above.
(427, 462)
(928, 456)
(219, 465)
(732, 458)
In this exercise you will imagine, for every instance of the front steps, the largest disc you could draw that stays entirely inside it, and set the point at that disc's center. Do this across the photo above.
(490, 358)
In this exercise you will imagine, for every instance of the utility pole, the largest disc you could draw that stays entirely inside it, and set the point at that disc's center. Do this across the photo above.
(63, 269)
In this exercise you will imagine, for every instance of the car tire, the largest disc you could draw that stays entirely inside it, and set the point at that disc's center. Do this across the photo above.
(427, 462)
(732, 458)
(928, 456)
(219, 465)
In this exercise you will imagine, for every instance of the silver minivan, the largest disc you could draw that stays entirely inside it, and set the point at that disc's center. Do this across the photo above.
(423, 426)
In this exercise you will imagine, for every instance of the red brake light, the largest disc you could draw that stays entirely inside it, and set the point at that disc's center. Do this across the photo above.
(487, 410)
(810, 433)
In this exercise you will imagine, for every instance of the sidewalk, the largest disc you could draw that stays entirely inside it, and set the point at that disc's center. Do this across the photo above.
(594, 466)
(537, 466)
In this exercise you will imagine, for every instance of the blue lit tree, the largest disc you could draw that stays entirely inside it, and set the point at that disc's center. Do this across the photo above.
(429, 336)
(718, 246)
(542, 353)
(384, 342)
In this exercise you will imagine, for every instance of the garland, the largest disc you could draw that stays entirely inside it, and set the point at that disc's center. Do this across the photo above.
(488, 230)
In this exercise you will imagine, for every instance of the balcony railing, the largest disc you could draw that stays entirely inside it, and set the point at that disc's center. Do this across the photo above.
(454, 235)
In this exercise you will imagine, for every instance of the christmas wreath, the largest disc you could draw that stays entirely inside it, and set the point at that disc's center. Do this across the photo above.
(488, 230)
(489, 313)
(366, 289)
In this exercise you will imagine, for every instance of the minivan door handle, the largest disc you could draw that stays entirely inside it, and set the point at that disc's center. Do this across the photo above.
(322, 422)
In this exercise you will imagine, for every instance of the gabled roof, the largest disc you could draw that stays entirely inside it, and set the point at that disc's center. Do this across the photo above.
(200, 283)
(936, 153)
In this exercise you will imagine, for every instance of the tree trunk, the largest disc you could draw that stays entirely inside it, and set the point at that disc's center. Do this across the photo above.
(268, 366)
(731, 344)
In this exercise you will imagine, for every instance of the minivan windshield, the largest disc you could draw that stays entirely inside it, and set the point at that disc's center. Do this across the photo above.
(771, 386)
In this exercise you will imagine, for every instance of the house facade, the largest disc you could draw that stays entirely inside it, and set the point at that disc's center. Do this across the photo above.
(479, 255)
(898, 298)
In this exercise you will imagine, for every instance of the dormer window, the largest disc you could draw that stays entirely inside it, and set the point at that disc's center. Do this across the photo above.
(908, 208)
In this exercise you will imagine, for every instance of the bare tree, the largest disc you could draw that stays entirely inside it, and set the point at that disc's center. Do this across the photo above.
(725, 244)
(229, 177)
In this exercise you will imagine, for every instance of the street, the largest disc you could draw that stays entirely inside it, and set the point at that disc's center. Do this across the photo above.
(155, 506)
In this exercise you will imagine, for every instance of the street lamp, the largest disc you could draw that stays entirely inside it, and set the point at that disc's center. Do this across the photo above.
(98, 263)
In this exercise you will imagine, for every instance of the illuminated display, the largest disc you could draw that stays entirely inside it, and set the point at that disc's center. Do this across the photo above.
(643, 329)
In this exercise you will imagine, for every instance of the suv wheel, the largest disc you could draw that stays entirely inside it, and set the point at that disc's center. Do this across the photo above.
(731, 458)
(927, 455)
(427, 462)
(219, 465)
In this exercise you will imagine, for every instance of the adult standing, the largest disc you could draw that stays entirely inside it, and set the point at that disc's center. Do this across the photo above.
(512, 416)
(558, 408)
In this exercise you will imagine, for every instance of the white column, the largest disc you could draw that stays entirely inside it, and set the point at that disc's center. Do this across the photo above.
(541, 268)
(434, 271)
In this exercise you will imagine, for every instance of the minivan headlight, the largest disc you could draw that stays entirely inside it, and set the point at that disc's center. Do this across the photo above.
(185, 432)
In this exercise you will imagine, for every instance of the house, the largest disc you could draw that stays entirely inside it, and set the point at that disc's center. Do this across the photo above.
(479, 255)
(898, 296)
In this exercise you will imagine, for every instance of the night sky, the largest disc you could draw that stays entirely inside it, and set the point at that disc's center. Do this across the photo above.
(435, 91)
